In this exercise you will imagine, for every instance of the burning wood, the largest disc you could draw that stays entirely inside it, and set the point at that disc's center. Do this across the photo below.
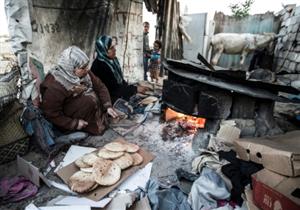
(186, 122)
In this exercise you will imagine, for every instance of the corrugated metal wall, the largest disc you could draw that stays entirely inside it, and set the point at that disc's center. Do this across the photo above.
(256, 24)
(195, 26)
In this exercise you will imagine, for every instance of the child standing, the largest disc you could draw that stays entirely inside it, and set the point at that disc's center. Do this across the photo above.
(154, 65)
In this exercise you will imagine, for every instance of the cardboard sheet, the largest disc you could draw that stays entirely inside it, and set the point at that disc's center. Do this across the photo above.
(31, 172)
(73, 153)
(73, 207)
(66, 172)
(73, 200)
(138, 179)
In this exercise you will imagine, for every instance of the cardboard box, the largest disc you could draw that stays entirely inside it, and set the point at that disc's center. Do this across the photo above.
(31, 172)
(280, 154)
(249, 199)
(66, 172)
(272, 191)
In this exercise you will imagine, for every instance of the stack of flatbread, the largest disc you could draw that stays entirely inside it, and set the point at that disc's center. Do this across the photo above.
(103, 167)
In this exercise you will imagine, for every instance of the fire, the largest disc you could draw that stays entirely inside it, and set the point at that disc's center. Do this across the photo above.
(187, 121)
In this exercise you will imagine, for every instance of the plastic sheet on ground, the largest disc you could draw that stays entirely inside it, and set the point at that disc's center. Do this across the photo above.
(166, 198)
(207, 189)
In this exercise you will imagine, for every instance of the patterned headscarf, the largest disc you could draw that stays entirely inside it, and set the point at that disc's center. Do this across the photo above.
(70, 59)
(103, 43)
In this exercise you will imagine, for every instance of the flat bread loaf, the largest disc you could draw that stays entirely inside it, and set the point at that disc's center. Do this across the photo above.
(137, 159)
(90, 158)
(124, 161)
(115, 147)
(107, 154)
(81, 182)
(132, 147)
(79, 163)
(106, 172)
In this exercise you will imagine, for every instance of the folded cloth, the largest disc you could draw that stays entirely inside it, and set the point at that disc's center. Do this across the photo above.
(207, 189)
(16, 188)
(208, 159)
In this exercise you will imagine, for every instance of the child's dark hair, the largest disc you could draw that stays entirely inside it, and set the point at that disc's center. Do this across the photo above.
(146, 23)
(115, 38)
(158, 43)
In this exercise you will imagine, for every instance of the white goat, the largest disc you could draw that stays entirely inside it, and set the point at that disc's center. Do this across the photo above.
(233, 43)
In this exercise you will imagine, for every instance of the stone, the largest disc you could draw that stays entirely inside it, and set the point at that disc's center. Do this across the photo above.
(283, 81)
(292, 66)
(292, 37)
(296, 84)
(289, 28)
(297, 48)
(286, 16)
(295, 28)
(285, 38)
(295, 19)
(264, 75)
(297, 11)
(286, 79)
(292, 56)
(297, 57)
(264, 120)
(298, 37)
(298, 68)
(288, 22)
(281, 54)
(286, 64)
(287, 46)
(279, 46)
(282, 31)
(247, 127)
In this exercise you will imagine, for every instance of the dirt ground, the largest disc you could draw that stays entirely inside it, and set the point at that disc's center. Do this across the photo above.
(170, 155)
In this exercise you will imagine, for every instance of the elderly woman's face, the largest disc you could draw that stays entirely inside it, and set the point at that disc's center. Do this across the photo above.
(111, 52)
(82, 71)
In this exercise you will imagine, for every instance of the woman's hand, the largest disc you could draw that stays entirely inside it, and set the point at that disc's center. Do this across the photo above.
(78, 89)
(142, 89)
(112, 113)
(81, 124)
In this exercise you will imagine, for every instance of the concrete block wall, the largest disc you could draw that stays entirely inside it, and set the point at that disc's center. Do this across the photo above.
(287, 51)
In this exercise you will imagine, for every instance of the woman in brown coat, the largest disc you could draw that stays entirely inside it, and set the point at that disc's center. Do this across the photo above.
(73, 98)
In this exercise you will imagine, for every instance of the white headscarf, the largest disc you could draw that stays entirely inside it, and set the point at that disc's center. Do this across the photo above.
(70, 59)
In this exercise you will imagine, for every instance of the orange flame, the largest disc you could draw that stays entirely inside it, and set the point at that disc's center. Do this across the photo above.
(191, 121)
